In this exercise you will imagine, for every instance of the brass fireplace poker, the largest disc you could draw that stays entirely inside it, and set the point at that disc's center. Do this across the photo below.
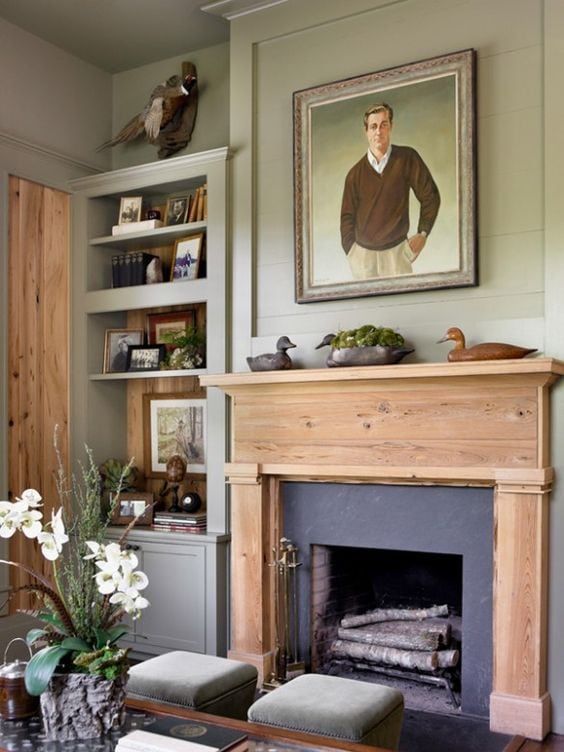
(287, 664)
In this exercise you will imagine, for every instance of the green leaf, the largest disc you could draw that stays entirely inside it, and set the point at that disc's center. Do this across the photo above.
(41, 668)
(116, 633)
(34, 634)
(54, 620)
(75, 643)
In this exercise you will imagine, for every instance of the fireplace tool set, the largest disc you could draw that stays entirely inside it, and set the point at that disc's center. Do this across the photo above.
(285, 564)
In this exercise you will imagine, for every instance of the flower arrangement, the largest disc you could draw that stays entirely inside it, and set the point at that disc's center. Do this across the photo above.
(93, 583)
(186, 349)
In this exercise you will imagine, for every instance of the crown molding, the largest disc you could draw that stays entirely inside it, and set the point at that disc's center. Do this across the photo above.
(13, 142)
(231, 9)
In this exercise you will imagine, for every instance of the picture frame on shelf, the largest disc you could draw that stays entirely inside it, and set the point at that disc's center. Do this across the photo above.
(186, 257)
(116, 345)
(131, 505)
(145, 357)
(159, 324)
(130, 209)
(177, 210)
(352, 237)
(174, 424)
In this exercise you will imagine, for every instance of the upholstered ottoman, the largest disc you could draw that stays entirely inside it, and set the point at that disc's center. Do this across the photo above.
(199, 682)
(329, 705)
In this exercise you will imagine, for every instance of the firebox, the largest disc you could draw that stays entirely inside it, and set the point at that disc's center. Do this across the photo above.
(376, 547)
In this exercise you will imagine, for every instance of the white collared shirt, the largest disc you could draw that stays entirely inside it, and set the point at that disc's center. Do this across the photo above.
(379, 166)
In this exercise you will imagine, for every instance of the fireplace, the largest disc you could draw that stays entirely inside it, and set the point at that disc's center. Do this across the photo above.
(370, 546)
(443, 425)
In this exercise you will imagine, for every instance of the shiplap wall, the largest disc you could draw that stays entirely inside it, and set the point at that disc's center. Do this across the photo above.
(520, 59)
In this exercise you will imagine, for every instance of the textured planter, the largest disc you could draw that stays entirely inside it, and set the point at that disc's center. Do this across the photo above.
(81, 706)
(378, 355)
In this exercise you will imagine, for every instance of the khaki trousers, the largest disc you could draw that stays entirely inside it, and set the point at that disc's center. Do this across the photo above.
(390, 263)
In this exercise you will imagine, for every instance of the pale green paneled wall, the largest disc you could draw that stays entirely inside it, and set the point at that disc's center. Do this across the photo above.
(520, 51)
(509, 301)
(52, 99)
(132, 90)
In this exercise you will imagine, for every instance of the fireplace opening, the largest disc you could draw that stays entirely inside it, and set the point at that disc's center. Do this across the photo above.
(399, 546)
(389, 616)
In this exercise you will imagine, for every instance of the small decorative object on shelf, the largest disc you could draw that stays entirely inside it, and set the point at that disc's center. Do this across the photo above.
(117, 344)
(136, 505)
(483, 351)
(145, 357)
(92, 585)
(278, 361)
(186, 257)
(168, 117)
(185, 348)
(153, 214)
(191, 502)
(175, 472)
(176, 210)
(366, 346)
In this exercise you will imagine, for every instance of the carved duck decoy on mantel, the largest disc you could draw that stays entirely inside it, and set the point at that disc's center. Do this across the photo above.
(278, 361)
(483, 351)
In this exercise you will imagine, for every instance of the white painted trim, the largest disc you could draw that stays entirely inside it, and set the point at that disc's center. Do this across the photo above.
(19, 143)
(231, 9)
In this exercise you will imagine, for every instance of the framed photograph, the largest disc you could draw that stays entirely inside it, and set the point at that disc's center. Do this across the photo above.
(159, 324)
(176, 210)
(145, 357)
(116, 347)
(173, 424)
(133, 504)
(186, 257)
(130, 209)
(385, 181)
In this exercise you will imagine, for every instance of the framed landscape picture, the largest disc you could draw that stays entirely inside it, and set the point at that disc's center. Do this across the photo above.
(159, 324)
(173, 424)
(385, 181)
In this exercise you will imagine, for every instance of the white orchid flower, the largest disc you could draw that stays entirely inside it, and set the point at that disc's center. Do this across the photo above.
(129, 604)
(9, 523)
(30, 523)
(107, 581)
(58, 528)
(31, 497)
(132, 582)
(49, 547)
(5, 508)
(96, 548)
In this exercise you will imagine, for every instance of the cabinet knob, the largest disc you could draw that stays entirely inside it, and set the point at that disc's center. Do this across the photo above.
(132, 547)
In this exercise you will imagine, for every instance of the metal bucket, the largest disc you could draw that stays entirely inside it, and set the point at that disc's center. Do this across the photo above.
(15, 702)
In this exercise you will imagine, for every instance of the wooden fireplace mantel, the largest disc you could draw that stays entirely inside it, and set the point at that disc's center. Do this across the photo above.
(481, 423)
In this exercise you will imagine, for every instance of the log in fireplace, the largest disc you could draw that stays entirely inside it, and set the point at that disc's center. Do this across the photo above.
(460, 424)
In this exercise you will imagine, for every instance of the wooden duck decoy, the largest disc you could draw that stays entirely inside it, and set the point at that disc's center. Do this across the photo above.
(377, 355)
(483, 351)
(278, 361)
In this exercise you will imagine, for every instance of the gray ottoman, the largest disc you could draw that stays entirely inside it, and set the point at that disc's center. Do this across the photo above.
(199, 682)
(340, 708)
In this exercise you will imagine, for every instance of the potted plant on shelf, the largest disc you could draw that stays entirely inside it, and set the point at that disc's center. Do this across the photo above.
(186, 349)
(368, 345)
(79, 671)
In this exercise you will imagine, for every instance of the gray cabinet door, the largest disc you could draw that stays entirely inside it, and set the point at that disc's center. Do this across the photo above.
(176, 617)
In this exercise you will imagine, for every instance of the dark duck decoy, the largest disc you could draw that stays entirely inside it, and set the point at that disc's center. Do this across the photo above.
(483, 351)
(377, 355)
(278, 361)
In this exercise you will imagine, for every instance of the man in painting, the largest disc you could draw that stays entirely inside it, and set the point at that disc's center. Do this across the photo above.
(375, 206)
(119, 362)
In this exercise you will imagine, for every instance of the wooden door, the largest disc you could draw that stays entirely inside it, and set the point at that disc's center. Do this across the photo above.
(38, 352)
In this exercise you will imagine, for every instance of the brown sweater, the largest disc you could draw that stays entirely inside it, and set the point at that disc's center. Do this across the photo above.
(375, 208)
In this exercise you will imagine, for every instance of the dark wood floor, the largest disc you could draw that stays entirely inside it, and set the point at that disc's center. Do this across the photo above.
(552, 743)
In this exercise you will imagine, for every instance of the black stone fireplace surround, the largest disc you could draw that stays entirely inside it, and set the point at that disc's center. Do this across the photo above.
(448, 520)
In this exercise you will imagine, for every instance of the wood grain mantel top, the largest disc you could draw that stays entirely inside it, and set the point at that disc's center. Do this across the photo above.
(550, 368)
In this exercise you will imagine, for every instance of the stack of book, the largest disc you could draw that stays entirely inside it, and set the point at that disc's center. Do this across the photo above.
(171, 734)
(130, 269)
(181, 522)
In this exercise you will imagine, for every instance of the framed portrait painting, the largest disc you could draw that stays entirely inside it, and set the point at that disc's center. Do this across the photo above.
(173, 424)
(116, 348)
(385, 181)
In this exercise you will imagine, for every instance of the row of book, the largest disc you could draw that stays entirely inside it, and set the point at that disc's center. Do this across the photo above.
(130, 269)
(198, 205)
(181, 522)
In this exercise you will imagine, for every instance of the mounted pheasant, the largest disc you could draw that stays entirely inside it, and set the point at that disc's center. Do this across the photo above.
(169, 116)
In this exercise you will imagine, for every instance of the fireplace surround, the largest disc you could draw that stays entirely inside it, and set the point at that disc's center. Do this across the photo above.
(448, 424)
